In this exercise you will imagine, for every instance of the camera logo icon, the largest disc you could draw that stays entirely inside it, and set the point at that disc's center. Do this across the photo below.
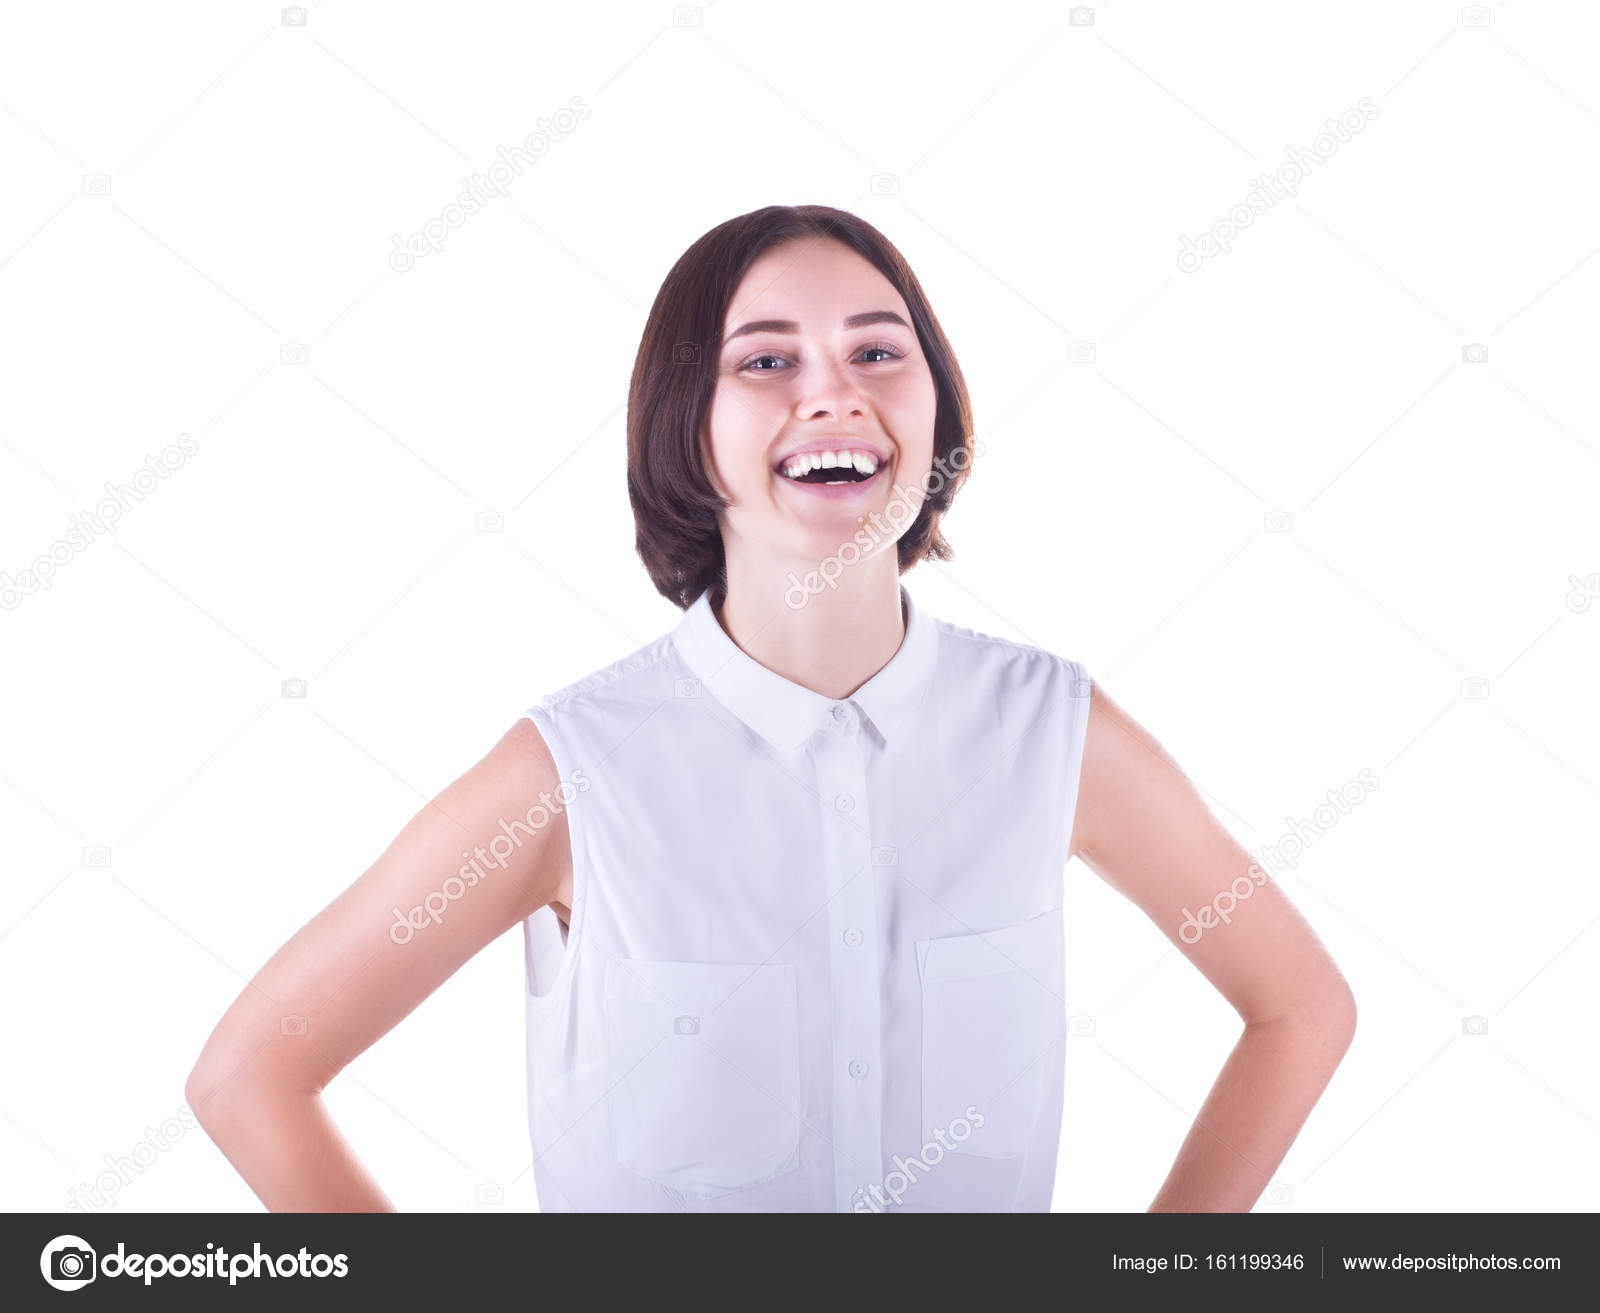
(686, 353)
(293, 1025)
(97, 184)
(1475, 688)
(1279, 1192)
(1475, 353)
(1475, 16)
(1582, 591)
(1081, 353)
(1080, 16)
(1474, 1025)
(293, 17)
(686, 688)
(491, 522)
(686, 1025)
(1080, 1025)
(293, 688)
(885, 184)
(686, 16)
(293, 353)
(491, 1192)
(68, 1263)
(97, 855)
(1277, 521)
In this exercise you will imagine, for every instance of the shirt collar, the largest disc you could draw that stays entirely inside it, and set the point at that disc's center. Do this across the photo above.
(786, 714)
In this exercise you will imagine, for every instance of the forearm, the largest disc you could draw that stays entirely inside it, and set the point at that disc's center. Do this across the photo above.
(290, 1153)
(1261, 1099)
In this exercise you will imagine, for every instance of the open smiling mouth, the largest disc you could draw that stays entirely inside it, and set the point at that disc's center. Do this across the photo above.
(828, 467)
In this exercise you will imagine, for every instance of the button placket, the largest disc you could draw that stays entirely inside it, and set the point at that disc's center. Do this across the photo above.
(853, 957)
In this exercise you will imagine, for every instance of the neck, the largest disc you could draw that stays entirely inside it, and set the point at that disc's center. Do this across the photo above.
(832, 644)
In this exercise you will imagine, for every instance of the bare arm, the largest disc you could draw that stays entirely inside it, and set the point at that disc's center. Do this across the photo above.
(1142, 827)
(343, 980)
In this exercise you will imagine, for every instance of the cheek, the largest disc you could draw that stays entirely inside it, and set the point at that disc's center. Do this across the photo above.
(740, 434)
(912, 402)
(744, 412)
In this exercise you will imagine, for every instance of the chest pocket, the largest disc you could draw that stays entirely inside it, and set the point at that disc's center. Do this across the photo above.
(993, 1033)
(704, 1066)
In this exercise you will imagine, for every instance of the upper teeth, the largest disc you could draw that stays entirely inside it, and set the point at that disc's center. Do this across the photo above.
(798, 466)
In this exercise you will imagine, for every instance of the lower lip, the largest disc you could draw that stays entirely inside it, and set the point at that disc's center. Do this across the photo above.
(835, 491)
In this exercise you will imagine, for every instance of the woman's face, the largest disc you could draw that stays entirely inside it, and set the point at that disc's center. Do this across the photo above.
(819, 355)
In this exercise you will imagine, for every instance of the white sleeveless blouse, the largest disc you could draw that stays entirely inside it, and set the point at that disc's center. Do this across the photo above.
(815, 953)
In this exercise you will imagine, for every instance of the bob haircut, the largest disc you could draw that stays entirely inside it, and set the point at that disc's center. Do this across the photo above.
(674, 378)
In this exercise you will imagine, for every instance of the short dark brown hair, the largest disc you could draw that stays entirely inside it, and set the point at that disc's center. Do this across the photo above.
(674, 379)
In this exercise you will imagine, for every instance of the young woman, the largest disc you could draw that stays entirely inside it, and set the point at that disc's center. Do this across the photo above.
(790, 877)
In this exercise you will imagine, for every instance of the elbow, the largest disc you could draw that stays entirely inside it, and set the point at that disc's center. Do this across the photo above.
(200, 1092)
(216, 1089)
(1339, 1015)
(232, 1084)
(1331, 1018)
(1328, 1016)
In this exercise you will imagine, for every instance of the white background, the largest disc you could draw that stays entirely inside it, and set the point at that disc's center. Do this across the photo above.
(1278, 515)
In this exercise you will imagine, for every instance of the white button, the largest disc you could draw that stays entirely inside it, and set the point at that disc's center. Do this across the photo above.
(845, 803)
(852, 936)
(858, 1068)
(841, 714)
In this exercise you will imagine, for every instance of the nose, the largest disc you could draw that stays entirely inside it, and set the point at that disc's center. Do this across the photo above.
(830, 391)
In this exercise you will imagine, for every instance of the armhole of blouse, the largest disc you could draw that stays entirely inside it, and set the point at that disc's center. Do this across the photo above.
(542, 940)
(1078, 699)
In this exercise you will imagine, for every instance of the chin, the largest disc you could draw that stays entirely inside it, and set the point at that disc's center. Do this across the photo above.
(831, 543)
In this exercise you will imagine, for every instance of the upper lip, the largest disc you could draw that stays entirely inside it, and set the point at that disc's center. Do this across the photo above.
(835, 443)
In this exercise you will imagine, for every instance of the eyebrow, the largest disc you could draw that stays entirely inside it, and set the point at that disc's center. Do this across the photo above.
(789, 325)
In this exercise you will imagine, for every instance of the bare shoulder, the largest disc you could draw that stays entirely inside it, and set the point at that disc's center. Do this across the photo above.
(523, 751)
(512, 773)
(1127, 778)
(514, 791)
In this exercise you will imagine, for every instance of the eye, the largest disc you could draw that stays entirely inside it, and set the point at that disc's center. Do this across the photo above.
(886, 349)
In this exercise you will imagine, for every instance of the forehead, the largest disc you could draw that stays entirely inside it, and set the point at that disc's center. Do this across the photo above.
(815, 281)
